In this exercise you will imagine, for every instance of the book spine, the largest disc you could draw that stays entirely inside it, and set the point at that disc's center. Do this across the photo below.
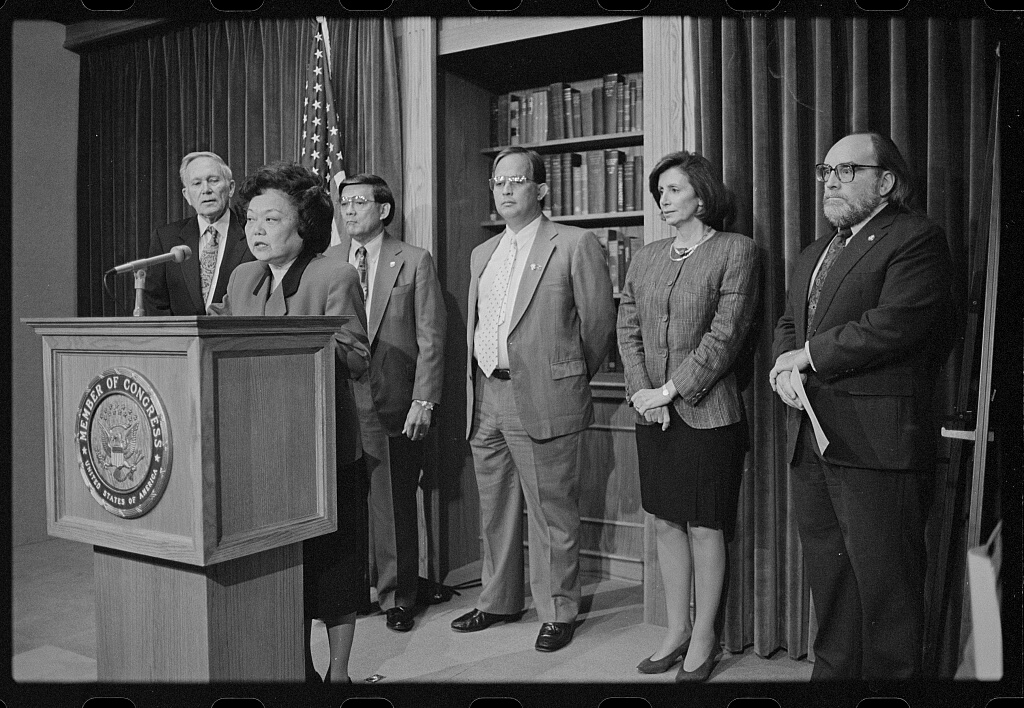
(567, 124)
(576, 170)
(555, 119)
(513, 119)
(595, 181)
(611, 169)
(566, 159)
(629, 186)
(548, 168)
(503, 119)
(620, 106)
(577, 114)
(597, 95)
(638, 183)
(495, 122)
(639, 124)
(610, 82)
(555, 185)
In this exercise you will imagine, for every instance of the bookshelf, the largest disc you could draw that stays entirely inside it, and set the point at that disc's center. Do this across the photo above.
(478, 59)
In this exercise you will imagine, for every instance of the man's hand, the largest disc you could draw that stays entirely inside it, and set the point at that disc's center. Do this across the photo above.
(417, 422)
(783, 386)
(793, 359)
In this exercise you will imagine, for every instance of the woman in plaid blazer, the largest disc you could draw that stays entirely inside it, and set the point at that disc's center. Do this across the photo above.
(684, 313)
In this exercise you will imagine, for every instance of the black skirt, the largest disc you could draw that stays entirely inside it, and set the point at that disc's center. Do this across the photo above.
(334, 566)
(692, 475)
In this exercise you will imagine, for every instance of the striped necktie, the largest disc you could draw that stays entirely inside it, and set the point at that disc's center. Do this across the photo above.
(361, 267)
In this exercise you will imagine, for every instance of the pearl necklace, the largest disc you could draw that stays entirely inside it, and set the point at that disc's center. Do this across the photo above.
(681, 254)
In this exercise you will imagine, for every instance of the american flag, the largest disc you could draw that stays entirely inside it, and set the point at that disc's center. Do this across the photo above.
(321, 142)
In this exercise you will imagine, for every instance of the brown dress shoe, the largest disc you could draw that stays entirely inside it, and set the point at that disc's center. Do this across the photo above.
(476, 620)
(554, 635)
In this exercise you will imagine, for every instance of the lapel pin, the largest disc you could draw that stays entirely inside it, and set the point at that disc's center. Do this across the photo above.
(871, 237)
(533, 266)
(392, 263)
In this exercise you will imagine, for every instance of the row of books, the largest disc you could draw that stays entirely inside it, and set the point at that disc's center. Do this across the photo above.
(611, 104)
(619, 245)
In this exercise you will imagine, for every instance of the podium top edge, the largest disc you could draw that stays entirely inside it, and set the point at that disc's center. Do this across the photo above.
(192, 325)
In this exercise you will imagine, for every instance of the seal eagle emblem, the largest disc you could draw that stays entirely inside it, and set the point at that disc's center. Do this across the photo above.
(124, 443)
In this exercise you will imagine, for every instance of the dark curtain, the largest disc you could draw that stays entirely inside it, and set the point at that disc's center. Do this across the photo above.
(233, 87)
(774, 94)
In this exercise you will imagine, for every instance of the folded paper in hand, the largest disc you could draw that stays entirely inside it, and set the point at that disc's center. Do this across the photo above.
(819, 434)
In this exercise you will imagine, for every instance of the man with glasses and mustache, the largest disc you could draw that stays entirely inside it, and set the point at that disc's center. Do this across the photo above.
(541, 319)
(406, 322)
(865, 328)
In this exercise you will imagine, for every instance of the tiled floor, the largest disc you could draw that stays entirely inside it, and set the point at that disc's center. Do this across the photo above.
(54, 635)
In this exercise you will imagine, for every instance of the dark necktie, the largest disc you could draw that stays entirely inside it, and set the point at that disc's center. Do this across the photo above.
(834, 249)
(361, 267)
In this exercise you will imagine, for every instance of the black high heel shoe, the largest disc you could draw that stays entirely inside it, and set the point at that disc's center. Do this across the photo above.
(701, 673)
(660, 666)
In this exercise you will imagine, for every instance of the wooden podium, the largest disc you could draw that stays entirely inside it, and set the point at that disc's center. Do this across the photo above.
(195, 454)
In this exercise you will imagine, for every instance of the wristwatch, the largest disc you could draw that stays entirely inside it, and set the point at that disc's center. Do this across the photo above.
(429, 405)
(664, 391)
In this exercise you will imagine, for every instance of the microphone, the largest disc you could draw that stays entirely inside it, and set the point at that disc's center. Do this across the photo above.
(176, 254)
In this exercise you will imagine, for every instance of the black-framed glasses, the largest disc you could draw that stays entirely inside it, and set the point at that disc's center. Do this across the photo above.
(359, 201)
(500, 180)
(845, 171)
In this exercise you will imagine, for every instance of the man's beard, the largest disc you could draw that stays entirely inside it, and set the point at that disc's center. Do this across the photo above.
(845, 214)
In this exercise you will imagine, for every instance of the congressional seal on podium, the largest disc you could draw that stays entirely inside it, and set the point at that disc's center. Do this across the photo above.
(124, 442)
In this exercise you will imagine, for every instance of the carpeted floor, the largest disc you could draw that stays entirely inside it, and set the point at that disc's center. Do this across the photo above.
(54, 635)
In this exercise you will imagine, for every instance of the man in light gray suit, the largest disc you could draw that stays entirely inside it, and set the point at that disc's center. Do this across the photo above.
(406, 325)
(541, 320)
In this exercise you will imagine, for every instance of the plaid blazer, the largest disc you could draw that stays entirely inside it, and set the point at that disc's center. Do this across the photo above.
(686, 321)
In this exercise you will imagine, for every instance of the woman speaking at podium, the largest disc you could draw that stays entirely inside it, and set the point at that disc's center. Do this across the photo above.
(288, 226)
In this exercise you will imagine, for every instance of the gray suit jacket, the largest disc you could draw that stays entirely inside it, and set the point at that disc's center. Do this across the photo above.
(407, 322)
(562, 326)
(688, 323)
(313, 285)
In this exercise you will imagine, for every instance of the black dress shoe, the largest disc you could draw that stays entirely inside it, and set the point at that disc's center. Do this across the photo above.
(554, 635)
(701, 673)
(400, 619)
(475, 620)
(660, 666)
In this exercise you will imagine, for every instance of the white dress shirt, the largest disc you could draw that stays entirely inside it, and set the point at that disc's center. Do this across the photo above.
(524, 242)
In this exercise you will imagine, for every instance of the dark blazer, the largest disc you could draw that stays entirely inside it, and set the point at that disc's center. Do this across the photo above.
(175, 288)
(407, 322)
(313, 285)
(880, 331)
(562, 327)
(688, 323)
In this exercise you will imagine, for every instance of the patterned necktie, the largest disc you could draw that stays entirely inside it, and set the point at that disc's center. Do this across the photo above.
(361, 267)
(492, 312)
(834, 249)
(208, 261)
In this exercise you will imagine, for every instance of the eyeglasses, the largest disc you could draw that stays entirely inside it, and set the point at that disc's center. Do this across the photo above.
(500, 180)
(359, 201)
(845, 171)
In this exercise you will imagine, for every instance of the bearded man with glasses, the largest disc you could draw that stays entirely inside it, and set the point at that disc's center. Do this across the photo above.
(541, 319)
(866, 329)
